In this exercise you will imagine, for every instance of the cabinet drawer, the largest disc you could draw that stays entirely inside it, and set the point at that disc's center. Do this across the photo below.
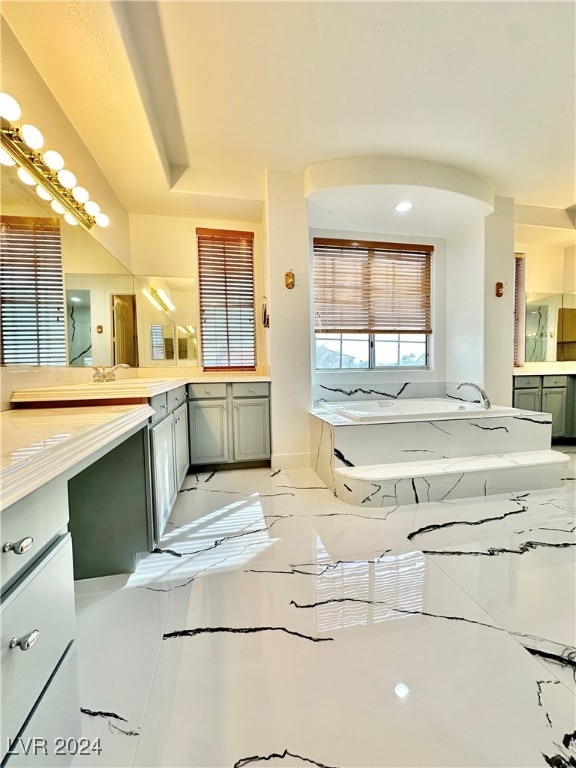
(527, 382)
(176, 397)
(555, 381)
(44, 601)
(31, 524)
(206, 391)
(254, 389)
(56, 718)
(160, 405)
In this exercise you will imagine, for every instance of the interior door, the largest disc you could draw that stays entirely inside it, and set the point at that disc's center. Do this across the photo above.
(124, 341)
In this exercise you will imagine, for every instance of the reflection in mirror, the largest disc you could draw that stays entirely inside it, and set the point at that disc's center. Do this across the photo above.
(550, 327)
(96, 334)
(167, 307)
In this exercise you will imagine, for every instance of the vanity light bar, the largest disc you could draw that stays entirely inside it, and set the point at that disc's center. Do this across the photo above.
(53, 182)
(31, 161)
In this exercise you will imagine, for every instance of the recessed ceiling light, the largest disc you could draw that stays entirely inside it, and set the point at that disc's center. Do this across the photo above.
(403, 207)
(401, 690)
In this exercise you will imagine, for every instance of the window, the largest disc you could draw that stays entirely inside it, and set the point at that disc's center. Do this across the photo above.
(32, 327)
(371, 304)
(519, 309)
(226, 288)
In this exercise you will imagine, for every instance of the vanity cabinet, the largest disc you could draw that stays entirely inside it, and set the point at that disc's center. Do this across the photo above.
(229, 422)
(39, 683)
(552, 394)
(169, 454)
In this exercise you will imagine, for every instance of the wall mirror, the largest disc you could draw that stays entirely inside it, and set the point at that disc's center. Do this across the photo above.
(550, 327)
(106, 315)
(166, 310)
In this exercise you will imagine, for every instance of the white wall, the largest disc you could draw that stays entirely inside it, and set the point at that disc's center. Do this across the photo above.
(499, 312)
(544, 268)
(465, 304)
(286, 232)
(570, 269)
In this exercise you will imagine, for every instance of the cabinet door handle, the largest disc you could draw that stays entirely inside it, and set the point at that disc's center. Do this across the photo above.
(19, 547)
(26, 641)
(164, 406)
(179, 419)
(251, 389)
(206, 391)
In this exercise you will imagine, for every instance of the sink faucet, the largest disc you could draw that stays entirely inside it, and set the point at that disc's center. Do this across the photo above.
(101, 373)
(484, 400)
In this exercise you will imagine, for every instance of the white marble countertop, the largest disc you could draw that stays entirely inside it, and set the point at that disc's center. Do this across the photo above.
(546, 369)
(39, 444)
(122, 388)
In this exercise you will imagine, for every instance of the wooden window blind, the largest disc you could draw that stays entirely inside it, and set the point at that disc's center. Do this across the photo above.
(226, 288)
(519, 309)
(32, 318)
(371, 287)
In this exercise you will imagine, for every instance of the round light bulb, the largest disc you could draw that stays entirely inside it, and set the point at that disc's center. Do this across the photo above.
(91, 208)
(53, 160)
(66, 178)
(102, 220)
(32, 136)
(41, 192)
(5, 158)
(401, 690)
(403, 207)
(69, 219)
(57, 207)
(80, 194)
(25, 177)
(9, 107)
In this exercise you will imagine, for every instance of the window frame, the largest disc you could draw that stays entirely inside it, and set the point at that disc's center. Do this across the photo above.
(363, 300)
(32, 298)
(226, 289)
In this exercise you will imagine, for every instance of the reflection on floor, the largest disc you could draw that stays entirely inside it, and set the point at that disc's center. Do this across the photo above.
(278, 626)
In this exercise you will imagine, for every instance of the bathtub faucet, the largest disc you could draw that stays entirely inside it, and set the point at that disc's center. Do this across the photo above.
(484, 399)
(102, 374)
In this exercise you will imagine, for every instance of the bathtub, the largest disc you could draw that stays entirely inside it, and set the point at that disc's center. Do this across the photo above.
(366, 411)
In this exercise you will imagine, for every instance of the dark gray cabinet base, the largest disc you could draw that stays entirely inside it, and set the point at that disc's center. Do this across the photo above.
(110, 517)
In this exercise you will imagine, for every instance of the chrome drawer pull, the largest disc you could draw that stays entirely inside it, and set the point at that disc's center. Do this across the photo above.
(26, 642)
(250, 390)
(179, 419)
(164, 406)
(207, 391)
(20, 547)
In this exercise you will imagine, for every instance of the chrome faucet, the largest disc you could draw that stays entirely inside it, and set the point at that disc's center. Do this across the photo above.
(484, 399)
(101, 373)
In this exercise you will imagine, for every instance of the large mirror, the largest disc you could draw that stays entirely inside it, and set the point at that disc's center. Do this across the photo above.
(107, 316)
(550, 327)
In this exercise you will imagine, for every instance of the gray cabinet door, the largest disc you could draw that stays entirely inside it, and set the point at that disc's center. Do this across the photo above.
(554, 402)
(251, 429)
(163, 474)
(208, 425)
(528, 399)
(182, 458)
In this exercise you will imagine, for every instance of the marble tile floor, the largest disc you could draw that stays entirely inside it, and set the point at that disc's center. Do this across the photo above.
(278, 626)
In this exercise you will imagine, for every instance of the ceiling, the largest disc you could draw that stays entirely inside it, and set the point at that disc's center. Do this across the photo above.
(186, 105)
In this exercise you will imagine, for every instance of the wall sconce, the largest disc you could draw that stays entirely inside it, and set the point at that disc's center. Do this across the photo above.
(158, 299)
(54, 183)
(289, 279)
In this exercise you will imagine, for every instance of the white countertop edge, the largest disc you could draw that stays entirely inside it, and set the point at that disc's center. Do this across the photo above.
(27, 476)
(120, 389)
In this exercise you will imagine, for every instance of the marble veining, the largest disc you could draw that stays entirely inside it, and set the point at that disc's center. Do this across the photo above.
(276, 625)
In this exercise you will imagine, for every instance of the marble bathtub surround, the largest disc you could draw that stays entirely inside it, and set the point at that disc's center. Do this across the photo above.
(276, 625)
(338, 443)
